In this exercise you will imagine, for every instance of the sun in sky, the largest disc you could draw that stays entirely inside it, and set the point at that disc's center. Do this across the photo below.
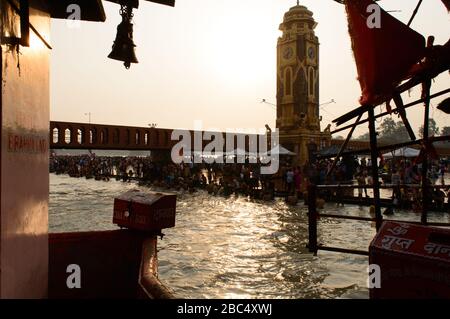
(212, 61)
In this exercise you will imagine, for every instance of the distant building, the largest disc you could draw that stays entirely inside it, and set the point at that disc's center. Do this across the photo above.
(298, 118)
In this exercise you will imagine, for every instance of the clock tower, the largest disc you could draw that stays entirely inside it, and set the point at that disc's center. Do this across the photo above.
(298, 118)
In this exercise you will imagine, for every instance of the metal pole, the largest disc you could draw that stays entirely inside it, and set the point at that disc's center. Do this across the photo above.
(344, 146)
(401, 111)
(426, 87)
(426, 125)
(312, 219)
(415, 12)
(374, 159)
(391, 147)
(443, 92)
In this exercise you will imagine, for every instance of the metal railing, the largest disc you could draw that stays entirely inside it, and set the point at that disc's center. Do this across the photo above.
(313, 217)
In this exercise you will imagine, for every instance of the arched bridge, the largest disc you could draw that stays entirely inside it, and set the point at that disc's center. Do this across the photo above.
(72, 135)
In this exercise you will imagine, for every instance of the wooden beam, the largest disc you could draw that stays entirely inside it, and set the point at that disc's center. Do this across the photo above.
(374, 159)
(392, 146)
(443, 92)
(91, 10)
(349, 136)
(170, 3)
(24, 23)
(402, 112)
(399, 90)
(426, 122)
(415, 12)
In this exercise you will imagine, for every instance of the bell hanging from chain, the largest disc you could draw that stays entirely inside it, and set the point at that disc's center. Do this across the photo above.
(123, 47)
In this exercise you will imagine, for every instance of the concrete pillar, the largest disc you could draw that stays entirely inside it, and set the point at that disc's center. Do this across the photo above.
(24, 188)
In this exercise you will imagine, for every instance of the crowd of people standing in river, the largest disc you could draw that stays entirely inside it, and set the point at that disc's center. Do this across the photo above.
(216, 177)
(226, 179)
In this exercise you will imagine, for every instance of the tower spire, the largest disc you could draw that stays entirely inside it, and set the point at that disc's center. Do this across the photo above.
(298, 2)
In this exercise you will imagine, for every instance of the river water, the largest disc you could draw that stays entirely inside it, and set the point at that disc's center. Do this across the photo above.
(234, 247)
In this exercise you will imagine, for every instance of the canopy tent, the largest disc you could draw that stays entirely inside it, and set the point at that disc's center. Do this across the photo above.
(402, 152)
(237, 151)
(280, 150)
(332, 150)
(277, 150)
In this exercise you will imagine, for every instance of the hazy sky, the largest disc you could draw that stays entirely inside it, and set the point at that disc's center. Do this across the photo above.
(211, 60)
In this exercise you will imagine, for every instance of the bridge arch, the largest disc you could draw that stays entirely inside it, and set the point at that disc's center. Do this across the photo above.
(81, 135)
(92, 135)
(116, 136)
(137, 137)
(55, 135)
(104, 136)
(147, 137)
(68, 135)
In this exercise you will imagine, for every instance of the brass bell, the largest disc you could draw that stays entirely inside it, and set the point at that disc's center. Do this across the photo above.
(123, 47)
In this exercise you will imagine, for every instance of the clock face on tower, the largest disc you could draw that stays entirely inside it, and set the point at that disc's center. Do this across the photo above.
(311, 53)
(288, 53)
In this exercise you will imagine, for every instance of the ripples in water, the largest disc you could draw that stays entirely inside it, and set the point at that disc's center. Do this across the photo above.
(233, 247)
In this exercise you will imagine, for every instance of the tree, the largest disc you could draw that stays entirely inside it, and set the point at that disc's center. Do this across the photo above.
(389, 132)
(388, 127)
(445, 131)
(393, 132)
(432, 128)
(363, 137)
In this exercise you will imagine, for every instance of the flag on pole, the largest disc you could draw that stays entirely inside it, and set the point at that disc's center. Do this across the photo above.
(385, 49)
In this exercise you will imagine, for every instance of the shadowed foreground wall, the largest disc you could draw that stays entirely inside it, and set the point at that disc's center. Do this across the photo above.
(24, 161)
(119, 264)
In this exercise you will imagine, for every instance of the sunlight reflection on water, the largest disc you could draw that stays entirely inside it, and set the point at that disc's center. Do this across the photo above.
(235, 247)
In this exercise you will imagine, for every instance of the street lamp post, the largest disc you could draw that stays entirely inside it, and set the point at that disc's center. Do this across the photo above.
(329, 102)
(265, 102)
(89, 115)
